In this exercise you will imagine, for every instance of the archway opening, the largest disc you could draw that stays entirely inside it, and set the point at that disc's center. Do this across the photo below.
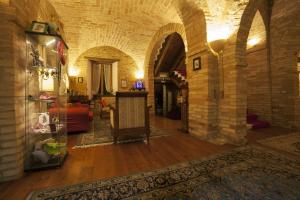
(170, 85)
(258, 76)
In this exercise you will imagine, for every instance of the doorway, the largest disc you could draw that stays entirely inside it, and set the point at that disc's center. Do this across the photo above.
(170, 85)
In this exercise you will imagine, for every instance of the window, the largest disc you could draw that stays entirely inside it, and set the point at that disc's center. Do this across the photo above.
(104, 80)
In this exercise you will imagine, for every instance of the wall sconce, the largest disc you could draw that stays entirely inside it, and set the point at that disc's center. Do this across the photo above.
(73, 71)
(139, 74)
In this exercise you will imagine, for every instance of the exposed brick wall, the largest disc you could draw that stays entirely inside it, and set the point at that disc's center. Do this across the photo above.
(258, 84)
(202, 102)
(258, 71)
(126, 67)
(285, 43)
(16, 17)
(92, 23)
(232, 108)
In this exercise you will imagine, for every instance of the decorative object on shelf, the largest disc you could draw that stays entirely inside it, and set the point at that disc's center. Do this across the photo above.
(80, 79)
(47, 150)
(39, 27)
(36, 59)
(45, 73)
(197, 63)
(41, 124)
(53, 28)
(124, 83)
(138, 85)
(44, 119)
(60, 50)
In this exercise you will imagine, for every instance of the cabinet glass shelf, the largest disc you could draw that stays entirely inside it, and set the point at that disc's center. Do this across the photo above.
(46, 89)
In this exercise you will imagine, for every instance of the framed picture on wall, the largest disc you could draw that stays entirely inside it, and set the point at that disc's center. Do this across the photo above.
(80, 79)
(197, 63)
(39, 27)
(124, 83)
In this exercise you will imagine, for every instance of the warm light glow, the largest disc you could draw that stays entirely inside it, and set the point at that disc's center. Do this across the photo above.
(252, 42)
(218, 31)
(50, 42)
(67, 81)
(73, 71)
(47, 85)
(139, 74)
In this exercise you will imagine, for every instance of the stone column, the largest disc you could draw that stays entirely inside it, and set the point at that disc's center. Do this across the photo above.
(11, 97)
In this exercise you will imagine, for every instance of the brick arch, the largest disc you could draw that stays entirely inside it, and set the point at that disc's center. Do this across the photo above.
(126, 68)
(158, 38)
(234, 103)
(152, 50)
(241, 36)
(85, 47)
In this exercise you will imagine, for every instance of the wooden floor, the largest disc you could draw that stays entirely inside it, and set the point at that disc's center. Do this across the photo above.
(103, 162)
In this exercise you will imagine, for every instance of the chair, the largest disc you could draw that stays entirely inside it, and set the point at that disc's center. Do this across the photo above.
(130, 117)
(104, 105)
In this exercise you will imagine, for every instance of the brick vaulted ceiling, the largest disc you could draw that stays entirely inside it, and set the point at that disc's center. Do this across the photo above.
(129, 25)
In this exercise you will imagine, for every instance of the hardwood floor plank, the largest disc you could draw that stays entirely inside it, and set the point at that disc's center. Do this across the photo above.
(102, 162)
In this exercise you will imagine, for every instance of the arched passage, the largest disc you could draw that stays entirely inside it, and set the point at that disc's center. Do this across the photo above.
(152, 51)
(232, 109)
(202, 108)
(258, 80)
(170, 83)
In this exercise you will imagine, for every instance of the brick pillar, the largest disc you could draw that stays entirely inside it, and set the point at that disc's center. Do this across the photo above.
(285, 45)
(202, 103)
(11, 97)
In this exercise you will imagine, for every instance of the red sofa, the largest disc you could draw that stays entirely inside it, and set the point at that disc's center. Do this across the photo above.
(78, 117)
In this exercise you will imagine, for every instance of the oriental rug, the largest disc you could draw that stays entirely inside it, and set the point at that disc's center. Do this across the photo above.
(289, 143)
(100, 134)
(250, 172)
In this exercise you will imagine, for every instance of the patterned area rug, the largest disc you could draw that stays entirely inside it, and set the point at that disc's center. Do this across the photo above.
(289, 143)
(100, 134)
(245, 173)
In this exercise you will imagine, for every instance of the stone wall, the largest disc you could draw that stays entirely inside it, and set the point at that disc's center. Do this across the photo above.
(258, 70)
(258, 84)
(285, 43)
(126, 67)
(16, 17)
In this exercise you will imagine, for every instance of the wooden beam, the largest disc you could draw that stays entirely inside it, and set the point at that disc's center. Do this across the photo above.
(178, 61)
(164, 53)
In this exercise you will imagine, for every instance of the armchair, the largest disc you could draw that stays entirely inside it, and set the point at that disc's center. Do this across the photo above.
(130, 117)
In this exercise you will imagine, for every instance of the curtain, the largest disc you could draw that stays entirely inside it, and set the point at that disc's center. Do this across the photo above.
(107, 77)
(89, 79)
(96, 74)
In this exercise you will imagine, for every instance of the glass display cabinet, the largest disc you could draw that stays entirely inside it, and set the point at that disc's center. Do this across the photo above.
(46, 101)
